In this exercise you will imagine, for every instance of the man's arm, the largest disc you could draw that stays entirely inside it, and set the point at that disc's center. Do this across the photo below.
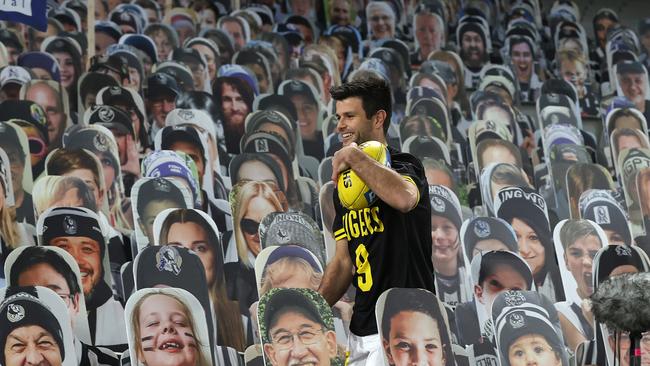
(338, 274)
(398, 192)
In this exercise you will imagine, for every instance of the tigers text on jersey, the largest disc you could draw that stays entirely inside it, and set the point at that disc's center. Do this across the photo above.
(388, 248)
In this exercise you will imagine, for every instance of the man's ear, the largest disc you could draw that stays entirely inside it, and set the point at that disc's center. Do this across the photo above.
(75, 302)
(330, 336)
(379, 119)
(270, 353)
(478, 292)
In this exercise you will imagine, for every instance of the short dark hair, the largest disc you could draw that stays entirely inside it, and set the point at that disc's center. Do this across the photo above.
(374, 93)
(419, 301)
(32, 256)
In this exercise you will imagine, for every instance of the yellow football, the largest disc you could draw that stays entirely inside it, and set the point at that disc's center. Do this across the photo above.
(353, 192)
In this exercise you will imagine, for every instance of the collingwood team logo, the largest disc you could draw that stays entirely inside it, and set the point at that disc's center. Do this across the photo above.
(186, 114)
(283, 236)
(516, 321)
(438, 204)
(100, 142)
(69, 225)
(15, 313)
(623, 251)
(168, 259)
(106, 114)
(601, 215)
(514, 298)
(482, 229)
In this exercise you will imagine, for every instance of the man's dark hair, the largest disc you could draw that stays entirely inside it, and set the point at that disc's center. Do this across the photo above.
(374, 93)
(146, 195)
(32, 256)
(418, 301)
(494, 260)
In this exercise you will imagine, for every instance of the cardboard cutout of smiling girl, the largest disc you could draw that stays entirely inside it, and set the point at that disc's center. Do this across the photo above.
(576, 245)
(167, 325)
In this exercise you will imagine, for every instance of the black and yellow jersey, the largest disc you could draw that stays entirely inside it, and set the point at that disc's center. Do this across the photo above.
(388, 248)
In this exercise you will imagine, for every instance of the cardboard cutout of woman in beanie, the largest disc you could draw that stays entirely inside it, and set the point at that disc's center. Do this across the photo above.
(528, 330)
(610, 261)
(413, 324)
(630, 162)
(297, 327)
(195, 231)
(34, 324)
(167, 325)
(525, 210)
(576, 245)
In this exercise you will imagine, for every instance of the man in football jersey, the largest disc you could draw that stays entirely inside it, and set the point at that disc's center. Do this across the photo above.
(388, 243)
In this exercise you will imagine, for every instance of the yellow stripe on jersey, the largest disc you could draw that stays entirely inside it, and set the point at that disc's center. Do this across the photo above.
(340, 234)
(409, 179)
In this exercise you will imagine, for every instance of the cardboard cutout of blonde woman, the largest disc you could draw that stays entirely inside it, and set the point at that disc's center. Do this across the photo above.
(614, 260)
(295, 228)
(13, 141)
(292, 320)
(100, 141)
(35, 314)
(59, 191)
(150, 196)
(528, 330)
(251, 202)
(631, 161)
(57, 270)
(84, 235)
(626, 138)
(167, 326)
(413, 325)
(526, 211)
(576, 245)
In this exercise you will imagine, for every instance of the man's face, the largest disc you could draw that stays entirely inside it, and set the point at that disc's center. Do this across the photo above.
(87, 253)
(414, 339)
(307, 115)
(236, 32)
(43, 274)
(194, 152)
(31, 345)
(380, 23)
(645, 41)
(210, 59)
(353, 124)
(150, 212)
(429, 33)
(48, 99)
(160, 107)
(634, 87)
(522, 59)
(503, 278)
(602, 26)
(340, 13)
(234, 107)
(301, 7)
(472, 49)
(579, 257)
(288, 337)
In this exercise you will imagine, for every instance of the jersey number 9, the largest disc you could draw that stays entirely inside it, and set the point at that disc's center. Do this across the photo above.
(364, 280)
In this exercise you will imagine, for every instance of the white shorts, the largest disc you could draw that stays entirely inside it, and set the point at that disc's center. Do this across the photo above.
(365, 351)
